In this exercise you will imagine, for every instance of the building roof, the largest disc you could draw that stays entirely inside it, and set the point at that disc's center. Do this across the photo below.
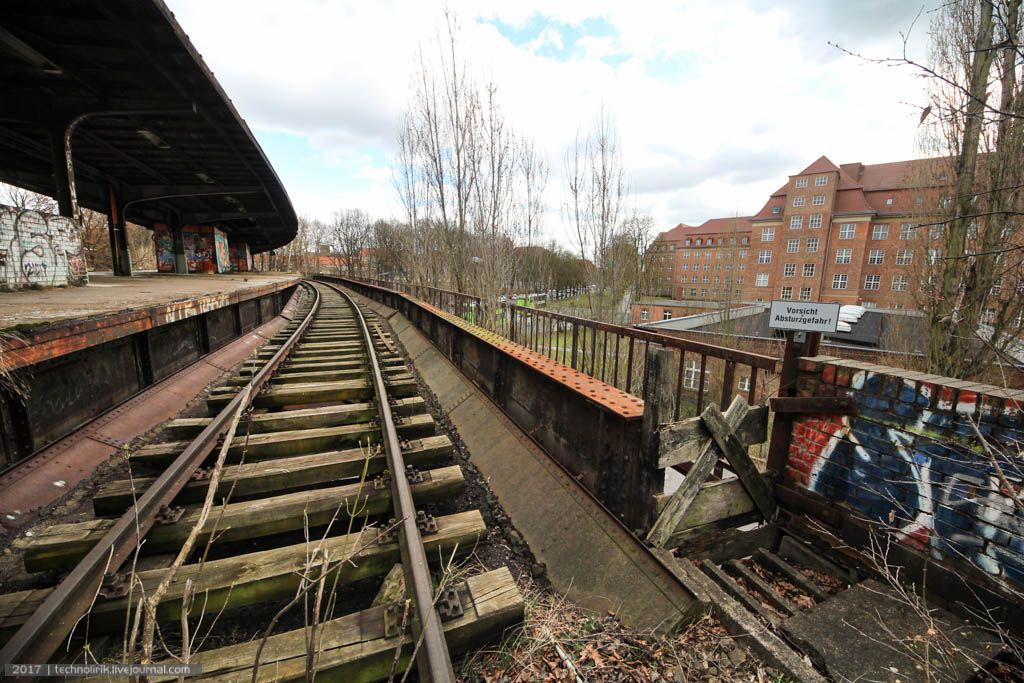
(713, 226)
(821, 165)
(146, 115)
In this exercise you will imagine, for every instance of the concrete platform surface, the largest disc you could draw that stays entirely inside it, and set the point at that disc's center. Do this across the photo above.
(108, 294)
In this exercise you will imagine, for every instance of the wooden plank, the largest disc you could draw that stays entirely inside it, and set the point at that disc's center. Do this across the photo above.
(683, 441)
(739, 460)
(682, 498)
(729, 585)
(305, 418)
(769, 594)
(61, 545)
(715, 501)
(319, 376)
(813, 405)
(796, 577)
(278, 475)
(268, 575)
(354, 649)
(300, 441)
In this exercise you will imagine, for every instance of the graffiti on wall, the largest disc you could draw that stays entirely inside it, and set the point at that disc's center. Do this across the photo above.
(163, 244)
(240, 258)
(222, 253)
(912, 461)
(38, 249)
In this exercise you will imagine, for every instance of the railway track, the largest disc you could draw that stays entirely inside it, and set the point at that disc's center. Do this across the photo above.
(318, 464)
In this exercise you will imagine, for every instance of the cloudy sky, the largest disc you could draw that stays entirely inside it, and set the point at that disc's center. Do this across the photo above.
(716, 101)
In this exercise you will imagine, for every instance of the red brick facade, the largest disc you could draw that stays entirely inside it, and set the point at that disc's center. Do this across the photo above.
(847, 234)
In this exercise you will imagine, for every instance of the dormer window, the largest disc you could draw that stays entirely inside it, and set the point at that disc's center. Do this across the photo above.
(888, 202)
(776, 209)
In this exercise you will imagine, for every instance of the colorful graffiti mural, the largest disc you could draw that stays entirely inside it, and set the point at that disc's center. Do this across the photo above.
(241, 260)
(163, 244)
(912, 461)
(221, 251)
(38, 249)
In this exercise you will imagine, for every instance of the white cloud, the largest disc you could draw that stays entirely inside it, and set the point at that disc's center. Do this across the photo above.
(715, 102)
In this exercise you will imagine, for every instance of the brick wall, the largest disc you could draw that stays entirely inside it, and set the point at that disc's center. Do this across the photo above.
(912, 461)
(38, 249)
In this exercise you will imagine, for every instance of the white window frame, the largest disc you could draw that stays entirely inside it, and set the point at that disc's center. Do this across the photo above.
(793, 246)
(872, 282)
(821, 181)
(805, 294)
(787, 296)
(907, 230)
(789, 270)
(900, 283)
(818, 200)
(814, 221)
(812, 245)
(847, 231)
(796, 222)
(809, 267)
(840, 281)
(876, 257)
(904, 257)
(767, 234)
(880, 231)
(800, 182)
(761, 280)
(844, 256)
(765, 256)
(644, 314)
(799, 201)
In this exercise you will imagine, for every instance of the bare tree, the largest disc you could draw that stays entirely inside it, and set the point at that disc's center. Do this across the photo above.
(970, 262)
(349, 234)
(597, 192)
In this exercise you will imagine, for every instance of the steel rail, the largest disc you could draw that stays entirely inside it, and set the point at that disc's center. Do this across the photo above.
(52, 622)
(433, 660)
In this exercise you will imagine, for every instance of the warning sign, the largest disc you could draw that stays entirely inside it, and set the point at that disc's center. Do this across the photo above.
(803, 315)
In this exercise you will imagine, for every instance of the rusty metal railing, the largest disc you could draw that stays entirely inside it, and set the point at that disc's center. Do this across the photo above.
(615, 354)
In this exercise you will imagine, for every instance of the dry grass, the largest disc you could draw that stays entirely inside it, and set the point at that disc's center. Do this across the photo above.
(561, 642)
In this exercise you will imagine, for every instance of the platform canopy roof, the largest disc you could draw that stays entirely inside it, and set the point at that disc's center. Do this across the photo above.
(143, 112)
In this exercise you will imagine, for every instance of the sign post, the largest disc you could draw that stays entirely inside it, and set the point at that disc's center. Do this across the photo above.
(803, 322)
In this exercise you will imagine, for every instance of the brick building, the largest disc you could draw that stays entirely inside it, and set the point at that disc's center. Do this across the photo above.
(845, 233)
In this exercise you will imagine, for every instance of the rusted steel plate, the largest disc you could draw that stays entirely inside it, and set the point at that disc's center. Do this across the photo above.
(67, 336)
(613, 400)
(38, 481)
(821, 405)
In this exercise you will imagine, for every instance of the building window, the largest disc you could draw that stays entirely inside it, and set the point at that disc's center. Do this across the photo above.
(821, 180)
(691, 378)
(666, 314)
(685, 266)
(765, 256)
(718, 254)
(907, 230)
(799, 201)
(805, 294)
(997, 286)
(699, 242)
(847, 231)
(904, 257)
(812, 245)
(870, 304)
(743, 383)
(703, 293)
(644, 314)
(880, 232)
(844, 255)
(686, 256)
(707, 266)
(815, 221)
(899, 283)
(789, 270)
(933, 256)
(776, 209)
(872, 282)
(808, 270)
(796, 222)
(693, 279)
(876, 257)
(792, 246)
(888, 201)
(761, 280)
(988, 316)
(707, 254)
(839, 280)
(787, 293)
(935, 232)
(704, 279)
(818, 200)
(800, 182)
(739, 279)
(693, 291)
(768, 234)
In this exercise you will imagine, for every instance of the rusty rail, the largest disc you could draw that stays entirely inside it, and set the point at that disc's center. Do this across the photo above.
(52, 622)
(433, 661)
